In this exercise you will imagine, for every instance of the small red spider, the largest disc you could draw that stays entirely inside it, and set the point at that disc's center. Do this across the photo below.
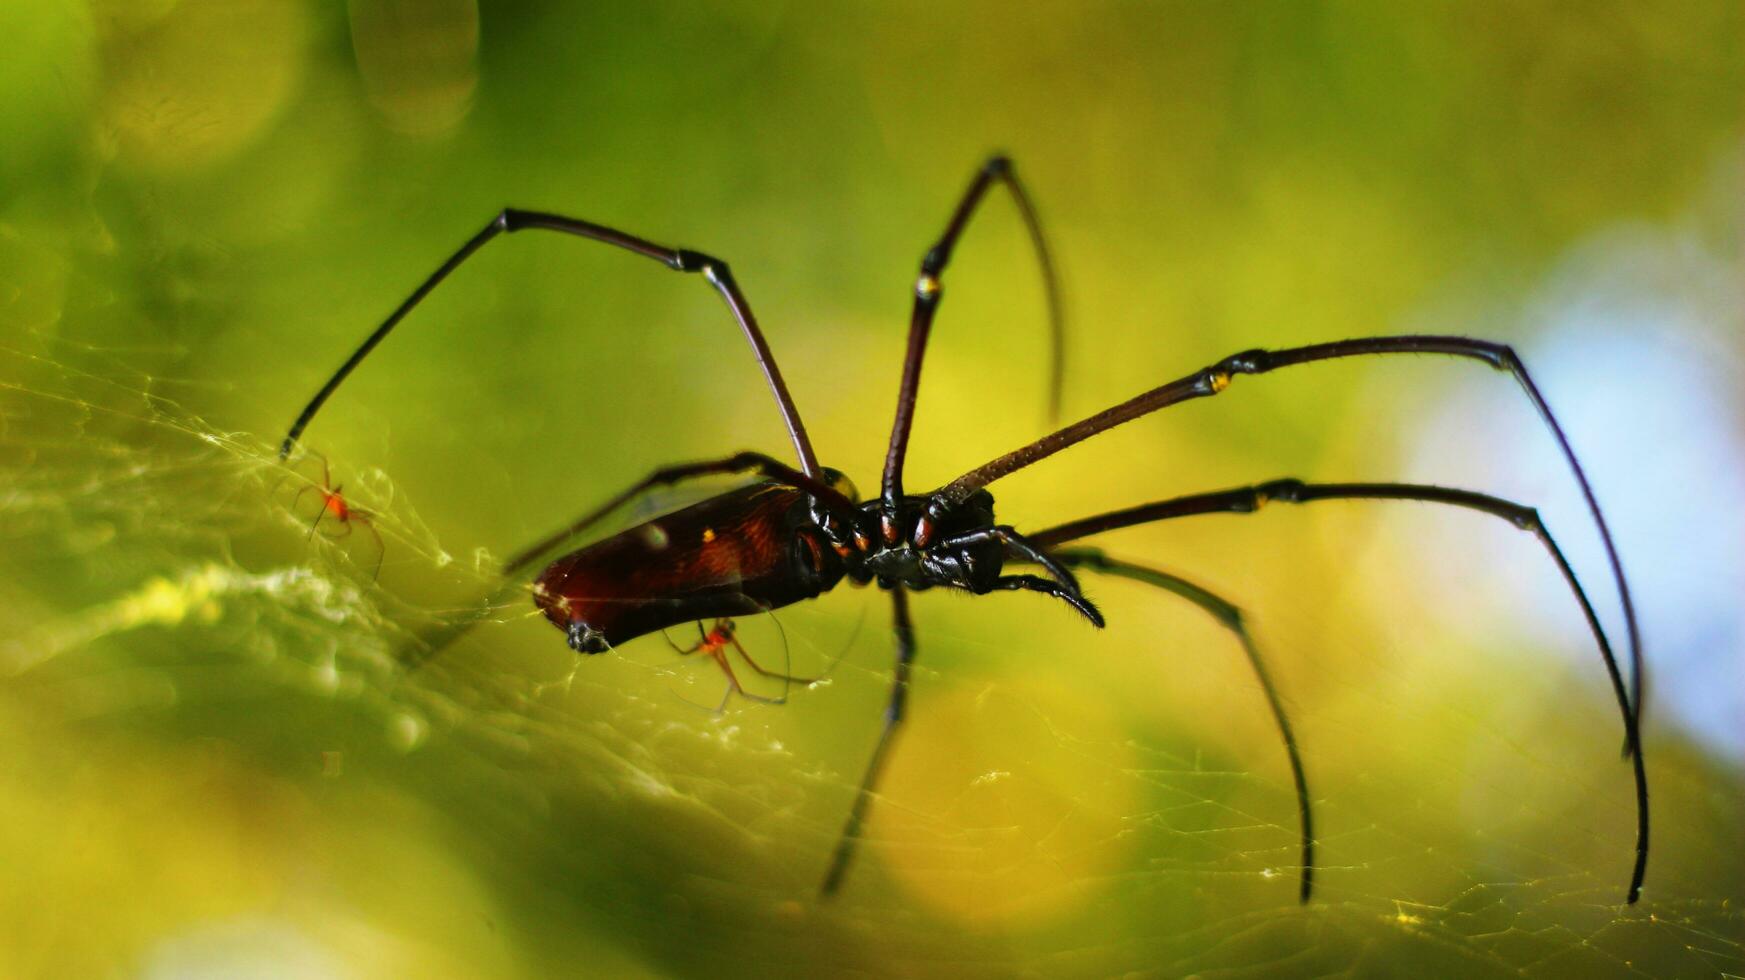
(714, 642)
(345, 516)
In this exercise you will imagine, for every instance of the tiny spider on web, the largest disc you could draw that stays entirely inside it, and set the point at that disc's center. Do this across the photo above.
(715, 643)
(335, 516)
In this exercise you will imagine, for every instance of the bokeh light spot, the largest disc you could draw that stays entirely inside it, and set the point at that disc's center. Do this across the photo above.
(1000, 816)
(201, 83)
(417, 60)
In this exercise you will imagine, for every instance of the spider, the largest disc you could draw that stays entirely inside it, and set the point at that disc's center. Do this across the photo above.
(714, 643)
(334, 505)
(798, 531)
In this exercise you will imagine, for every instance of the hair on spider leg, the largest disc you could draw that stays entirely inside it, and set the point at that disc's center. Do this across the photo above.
(797, 532)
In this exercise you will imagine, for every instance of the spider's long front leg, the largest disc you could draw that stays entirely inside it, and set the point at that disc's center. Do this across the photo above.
(1247, 500)
(1230, 617)
(930, 290)
(1216, 378)
(677, 259)
(903, 629)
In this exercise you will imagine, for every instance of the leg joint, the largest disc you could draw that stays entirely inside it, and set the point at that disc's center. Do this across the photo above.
(688, 260)
(1253, 361)
(1527, 519)
(932, 264)
(928, 289)
(1289, 491)
(748, 460)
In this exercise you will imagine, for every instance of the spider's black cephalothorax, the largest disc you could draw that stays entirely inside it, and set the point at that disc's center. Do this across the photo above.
(928, 543)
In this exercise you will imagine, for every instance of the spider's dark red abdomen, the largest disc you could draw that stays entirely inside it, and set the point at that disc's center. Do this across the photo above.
(736, 554)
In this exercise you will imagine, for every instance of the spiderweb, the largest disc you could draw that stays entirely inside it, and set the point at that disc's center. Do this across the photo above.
(184, 649)
(217, 757)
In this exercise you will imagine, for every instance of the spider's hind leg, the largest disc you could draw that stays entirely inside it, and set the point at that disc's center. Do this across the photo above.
(903, 629)
(1250, 499)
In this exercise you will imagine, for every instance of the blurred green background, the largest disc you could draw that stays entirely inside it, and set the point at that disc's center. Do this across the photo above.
(213, 766)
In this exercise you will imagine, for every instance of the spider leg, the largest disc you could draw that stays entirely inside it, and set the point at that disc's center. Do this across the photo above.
(320, 516)
(1217, 377)
(1036, 583)
(788, 679)
(1231, 618)
(1064, 586)
(305, 483)
(679, 260)
(903, 629)
(1016, 544)
(359, 517)
(830, 499)
(717, 654)
(1247, 500)
(681, 651)
(928, 293)
(733, 685)
(754, 665)
(720, 707)
(297, 498)
(702, 638)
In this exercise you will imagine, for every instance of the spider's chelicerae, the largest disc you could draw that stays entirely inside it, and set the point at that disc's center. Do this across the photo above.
(798, 531)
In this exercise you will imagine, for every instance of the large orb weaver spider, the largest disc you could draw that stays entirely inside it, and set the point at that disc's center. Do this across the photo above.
(797, 532)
